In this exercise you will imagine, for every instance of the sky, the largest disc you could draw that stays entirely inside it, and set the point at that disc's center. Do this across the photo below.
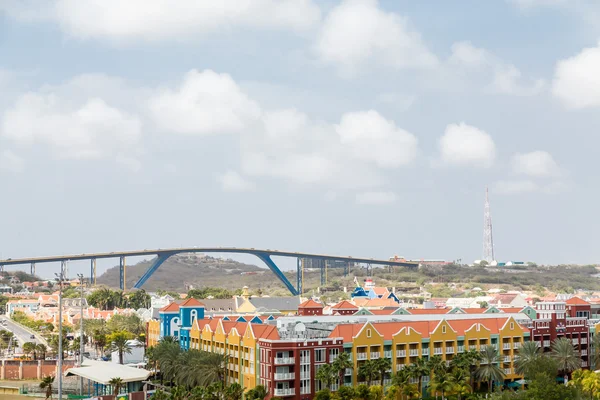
(352, 127)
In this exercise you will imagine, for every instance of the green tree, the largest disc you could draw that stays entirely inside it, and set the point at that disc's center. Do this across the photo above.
(41, 350)
(528, 355)
(382, 365)
(595, 356)
(117, 384)
(235, 391)
(489, 371)
(47, 383)
(341, 363)
(327, 375)
(346, 393)
(459, 379)
(324, 394)
(418, 370)
(126, 322)
(139, 299)
(28, 348)
(566, 356)
(119, 342)
(442, 382)
(259, 392)
(368, 371)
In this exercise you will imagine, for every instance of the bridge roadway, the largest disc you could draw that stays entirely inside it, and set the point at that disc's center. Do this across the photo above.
(163, 254)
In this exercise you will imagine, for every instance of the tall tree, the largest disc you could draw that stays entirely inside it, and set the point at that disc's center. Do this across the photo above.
(117, 384)
(527, 356)
(460, 378)
(566, 356)
(341, 363)
(368, 371)
(418, 370)
(489, 371)
(327, 375)
(46, 384)
(382, 365)
(119, 342)
(442, 382)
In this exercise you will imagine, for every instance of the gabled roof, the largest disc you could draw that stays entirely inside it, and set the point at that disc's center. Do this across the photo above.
(344, 305)
(191, 302)
(380, 291)
(310, 303)
(576, 301)
(171, 308)
(264, 331)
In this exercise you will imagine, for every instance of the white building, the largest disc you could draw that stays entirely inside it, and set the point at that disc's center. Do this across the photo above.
(136, 356)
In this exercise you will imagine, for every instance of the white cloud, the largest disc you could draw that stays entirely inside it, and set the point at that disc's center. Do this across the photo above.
(11, 162)
(504, 78)
(576, 79)
(376, 198)
(463, 144)
(515, 187)
(358, 31)
(156, 20)
(205, 103)
(73, 128)
(372, 138)
(232, 181)
(535, 164)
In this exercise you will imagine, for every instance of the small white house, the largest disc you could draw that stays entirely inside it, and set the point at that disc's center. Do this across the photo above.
(136, 356)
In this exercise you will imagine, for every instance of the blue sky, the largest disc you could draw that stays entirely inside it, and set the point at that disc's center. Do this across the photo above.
(349, 127)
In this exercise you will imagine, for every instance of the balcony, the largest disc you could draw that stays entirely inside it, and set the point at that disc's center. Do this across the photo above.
(414, 352)
(437, 350)
(387, 354)
(375, 355)
(473, 347)
(331, 358)
(304, 360)
(284, 376)
(304, 375)
(546, 343)
(284, 392)
(575, 341)
(285, 360)
(361, 356)
(517, 345)
(461, 349)
(400, 366)
(584, 340)
(425, 351)
(401, 353)
(449, 350)
(584, 364)
(505, 346)
(584, 352)
(506, 359)
(348, 371)
(507, 371)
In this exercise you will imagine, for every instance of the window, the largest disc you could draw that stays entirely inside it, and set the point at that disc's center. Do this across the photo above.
(333, 354)
(512, 326)
(368, 333)
(443, 328)
(320, 355)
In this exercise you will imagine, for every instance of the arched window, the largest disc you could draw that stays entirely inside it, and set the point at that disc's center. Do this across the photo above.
(194, 316)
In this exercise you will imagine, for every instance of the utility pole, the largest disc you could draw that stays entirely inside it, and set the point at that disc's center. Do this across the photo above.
(81, 337)
(60, 278)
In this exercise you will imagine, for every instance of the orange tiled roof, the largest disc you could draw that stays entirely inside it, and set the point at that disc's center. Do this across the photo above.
(191, 302)
(264, 331)
(576, 301)
(380, 291)
(418, 311)
(310, 303)
(344, 305)
(476, 310)
(170, 308)
(375, 302)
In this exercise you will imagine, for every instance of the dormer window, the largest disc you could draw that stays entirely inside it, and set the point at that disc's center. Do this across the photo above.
(443, 328)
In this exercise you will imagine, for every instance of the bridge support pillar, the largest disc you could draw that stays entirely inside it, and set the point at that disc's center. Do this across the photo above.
(299, 274)
(322, 265)
(64, 270)
(32, 268)
(93, 271)
(158, 261)
(122, 274)
(266, 258)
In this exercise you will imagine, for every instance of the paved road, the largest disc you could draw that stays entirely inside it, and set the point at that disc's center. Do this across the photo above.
(21, 334)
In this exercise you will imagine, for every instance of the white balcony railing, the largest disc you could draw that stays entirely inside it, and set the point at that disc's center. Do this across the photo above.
(304, 360)
(517, 345)
(375, 355)
(461, 349)
(284, 392)
(449, 350)
(284, 360)
(400, 366)
(472, 347)
(425, 351)
(304, 375)
(361, 356)
(546, 343)
(348, 371)
(584, 352)
(506, 359)
(414, 352)
(387, 354)
(505, 346)
(401, 353)
(437, 350)
(584, 341)
(507, 371)
(282, 376)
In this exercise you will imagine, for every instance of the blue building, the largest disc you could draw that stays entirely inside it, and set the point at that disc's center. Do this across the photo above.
(177, 319)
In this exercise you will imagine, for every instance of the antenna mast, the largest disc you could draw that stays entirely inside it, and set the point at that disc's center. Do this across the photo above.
(488, 239)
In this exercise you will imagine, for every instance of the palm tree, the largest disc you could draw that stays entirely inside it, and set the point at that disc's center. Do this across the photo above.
(214, 368)
(235, 391)
(419, 369)
(442, 382)
(28, 348)
(411, 391)
(119, 342)
(117, 384)
(527, 356)
(595, 356)
(41, 350)
(459, 378)
(341, 363)
(566, 356)
(401, 379)
(327, 375)
(46, 383)
(489, 371)
(382, 365)
(436, 364)
(259, 392)
(367, 370)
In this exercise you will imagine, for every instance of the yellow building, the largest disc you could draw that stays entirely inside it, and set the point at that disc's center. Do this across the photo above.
(152, 333)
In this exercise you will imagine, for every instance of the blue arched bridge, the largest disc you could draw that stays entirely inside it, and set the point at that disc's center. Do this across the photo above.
(321, 261)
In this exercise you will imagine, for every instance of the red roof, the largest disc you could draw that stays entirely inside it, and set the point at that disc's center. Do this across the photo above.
(173, 307)
(344, 305)
(576, 301)
(191, 302)
(310, 303)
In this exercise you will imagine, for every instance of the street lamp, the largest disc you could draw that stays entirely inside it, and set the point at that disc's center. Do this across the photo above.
(81, 341)
(60, 277)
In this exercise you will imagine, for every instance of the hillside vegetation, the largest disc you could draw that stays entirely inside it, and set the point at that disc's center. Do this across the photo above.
(182, 272)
